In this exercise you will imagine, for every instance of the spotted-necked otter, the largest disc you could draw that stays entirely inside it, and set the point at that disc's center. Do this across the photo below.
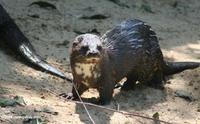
(18, 42)
(130, 50)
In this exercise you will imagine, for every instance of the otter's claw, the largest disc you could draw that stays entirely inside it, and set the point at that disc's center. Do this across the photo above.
(68, 96)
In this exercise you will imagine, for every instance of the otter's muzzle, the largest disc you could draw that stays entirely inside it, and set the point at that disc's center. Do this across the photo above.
(92, 53)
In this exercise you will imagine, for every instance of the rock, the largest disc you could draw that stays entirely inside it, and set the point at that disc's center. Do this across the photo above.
(184, 94)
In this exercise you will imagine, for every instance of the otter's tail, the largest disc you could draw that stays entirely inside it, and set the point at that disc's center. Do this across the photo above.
(17, 41)
(37, 61)
(176, 67)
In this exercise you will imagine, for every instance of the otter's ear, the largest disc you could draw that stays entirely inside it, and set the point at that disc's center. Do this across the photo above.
(80, 39)
(74, 44)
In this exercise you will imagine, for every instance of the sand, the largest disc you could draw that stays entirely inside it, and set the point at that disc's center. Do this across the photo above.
(52, 30)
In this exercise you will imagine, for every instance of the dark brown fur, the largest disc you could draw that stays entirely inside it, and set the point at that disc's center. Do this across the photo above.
(129, 50)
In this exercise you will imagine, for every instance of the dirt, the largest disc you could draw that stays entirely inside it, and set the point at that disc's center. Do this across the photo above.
(51, 30)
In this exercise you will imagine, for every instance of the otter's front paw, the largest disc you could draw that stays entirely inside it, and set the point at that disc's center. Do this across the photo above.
(67, 96)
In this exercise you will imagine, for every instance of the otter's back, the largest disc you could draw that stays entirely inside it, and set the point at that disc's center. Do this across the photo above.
(133, 47)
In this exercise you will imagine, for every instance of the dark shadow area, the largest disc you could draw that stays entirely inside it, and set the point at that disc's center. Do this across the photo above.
(98, 115)
(140, 99)
(7, 51)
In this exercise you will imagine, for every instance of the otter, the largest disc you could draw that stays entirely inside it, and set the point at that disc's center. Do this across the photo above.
(11, 35)
(130, 50)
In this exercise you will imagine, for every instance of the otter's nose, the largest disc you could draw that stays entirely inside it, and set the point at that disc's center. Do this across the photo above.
(92, 53)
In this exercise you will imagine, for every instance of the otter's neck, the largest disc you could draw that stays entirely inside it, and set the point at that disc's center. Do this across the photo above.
(88, 70)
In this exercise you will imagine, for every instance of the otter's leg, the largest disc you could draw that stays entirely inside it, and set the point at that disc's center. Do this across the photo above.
(157, 81)
(105, 88)
(81, 88)
(129, 84)
(105, 94)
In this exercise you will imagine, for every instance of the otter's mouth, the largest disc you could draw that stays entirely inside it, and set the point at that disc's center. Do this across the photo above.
(88, 60)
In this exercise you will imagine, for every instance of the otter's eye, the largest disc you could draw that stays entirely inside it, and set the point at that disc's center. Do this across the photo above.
(84, 48)
(99, 48)
(75, 44)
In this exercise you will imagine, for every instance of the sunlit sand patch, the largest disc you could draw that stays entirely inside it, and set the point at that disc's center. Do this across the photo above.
(177, 83)
(90, 93)
(195, 46)
(117, 117)
(177, 56)
(189, 52)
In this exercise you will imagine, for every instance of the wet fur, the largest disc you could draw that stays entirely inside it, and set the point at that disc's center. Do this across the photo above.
(130, 50)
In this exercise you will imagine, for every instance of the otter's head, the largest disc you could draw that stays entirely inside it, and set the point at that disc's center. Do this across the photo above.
(85, 58)
(86, 47)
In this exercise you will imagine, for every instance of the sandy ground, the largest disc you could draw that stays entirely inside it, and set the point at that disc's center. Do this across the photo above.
(51, 31)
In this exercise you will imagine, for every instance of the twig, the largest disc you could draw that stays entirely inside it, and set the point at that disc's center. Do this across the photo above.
(116, 104)
(124, 113)
(83, 103)
(109, 109)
